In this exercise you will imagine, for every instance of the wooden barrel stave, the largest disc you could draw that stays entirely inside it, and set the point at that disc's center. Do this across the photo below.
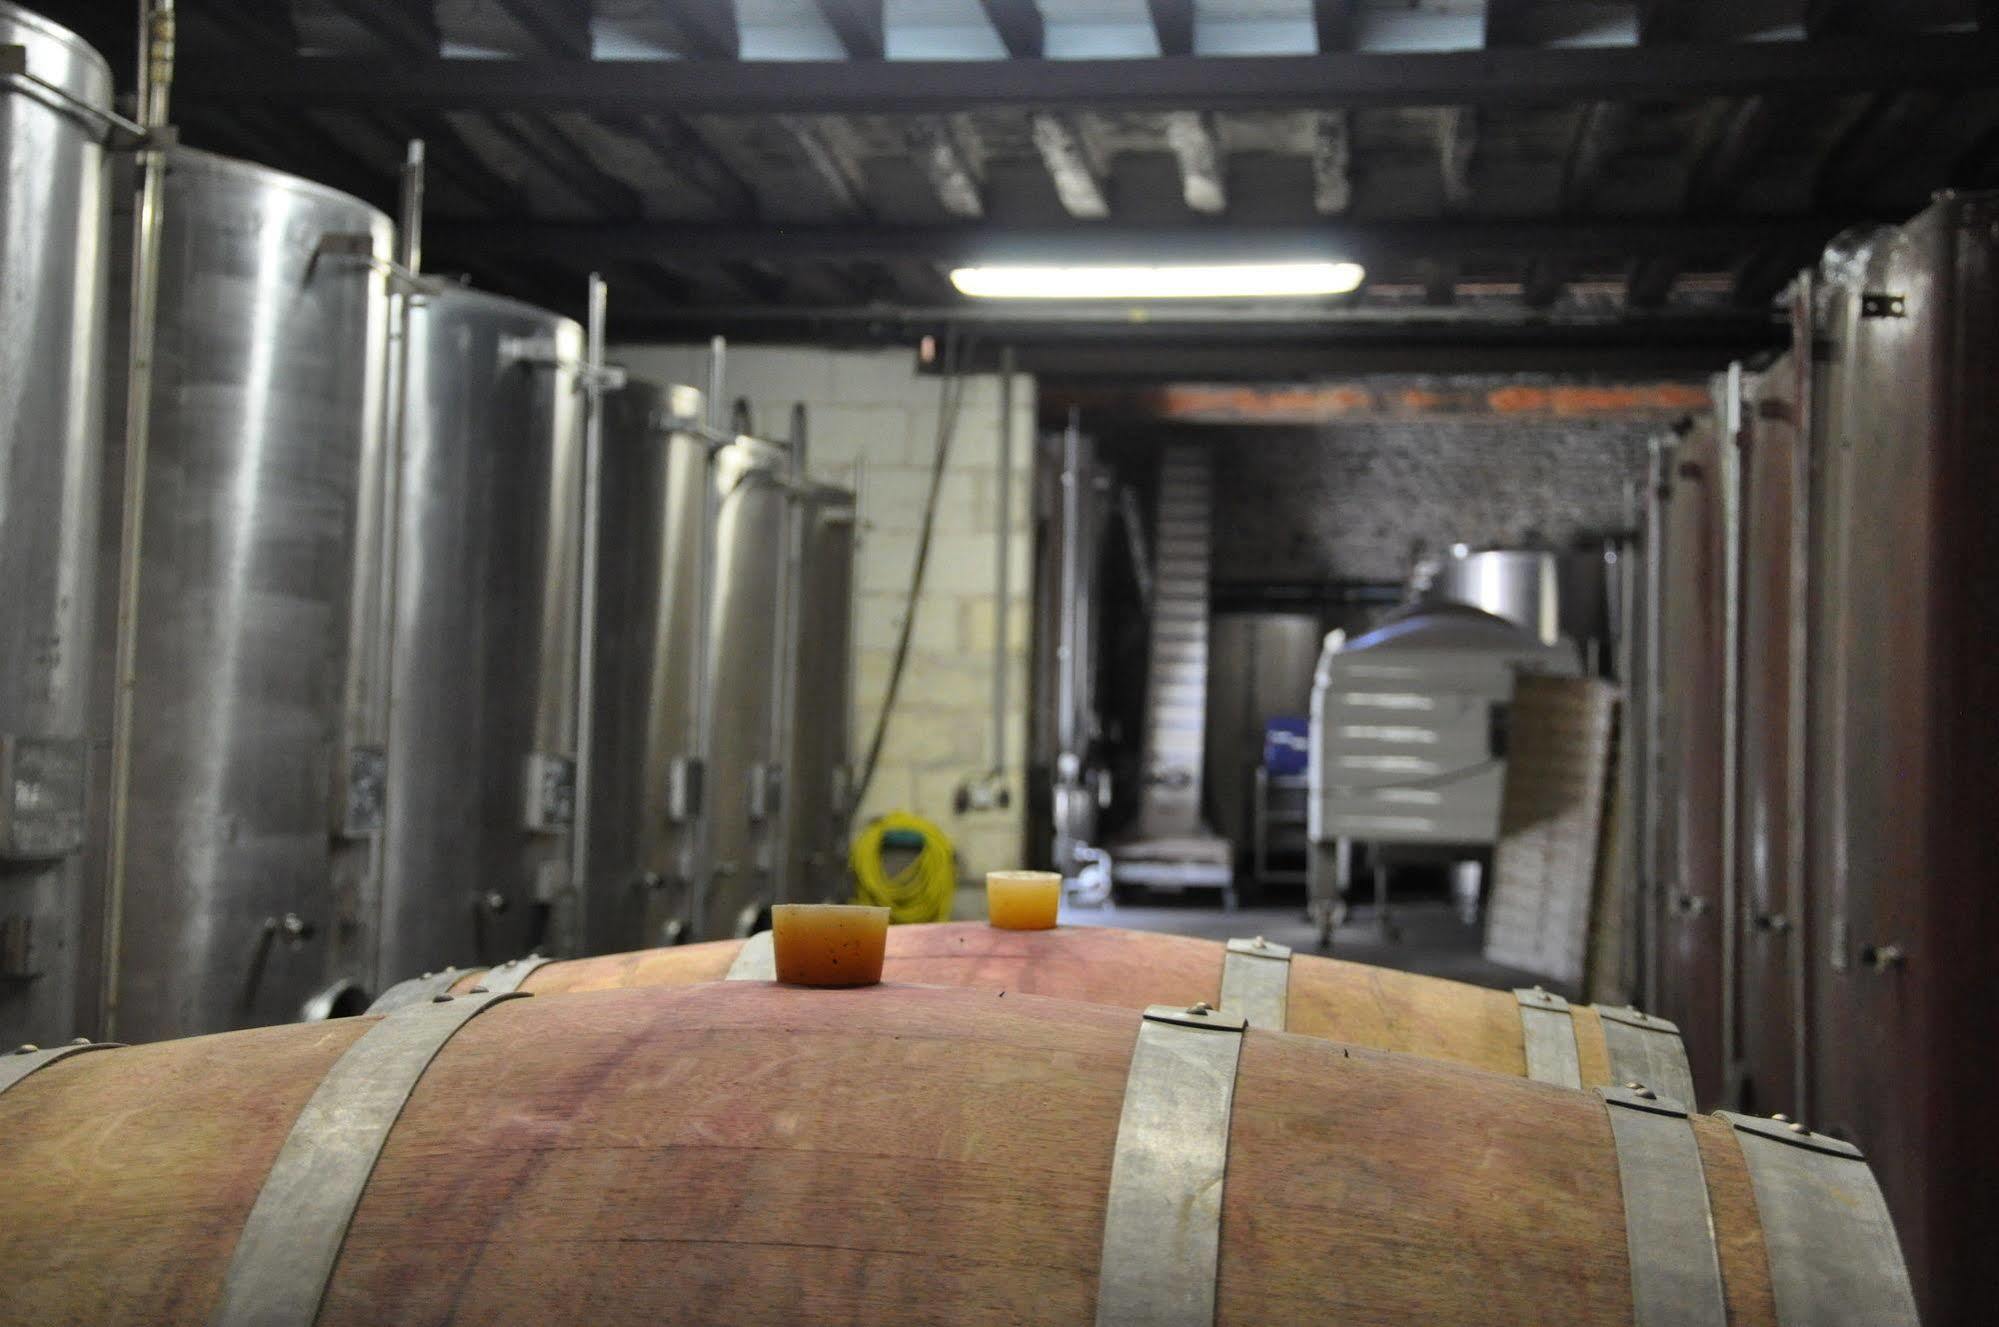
(749, 1153)
(1353, 1003)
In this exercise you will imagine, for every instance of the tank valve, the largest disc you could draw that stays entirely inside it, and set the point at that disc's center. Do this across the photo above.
(1883, 958)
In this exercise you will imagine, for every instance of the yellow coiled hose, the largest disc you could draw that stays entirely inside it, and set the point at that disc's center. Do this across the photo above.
(920, 891)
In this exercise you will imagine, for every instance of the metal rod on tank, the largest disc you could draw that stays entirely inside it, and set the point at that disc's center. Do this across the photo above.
(704, 607)
(586, 613)
(404, 294)
(1651, 917)
(156, 75)
(1001, 561)
(409, 250)
(782, 719)
(1731, 734)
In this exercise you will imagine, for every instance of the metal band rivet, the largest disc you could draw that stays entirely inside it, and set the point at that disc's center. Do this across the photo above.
(1256, 981)
(1548, 1036)
(17, 1065)
(1647, 1049)
(415, 991)
(509, 975)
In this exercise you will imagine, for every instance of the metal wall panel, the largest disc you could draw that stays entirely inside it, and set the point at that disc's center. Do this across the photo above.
(482, 742)
(247, 881)
(52, 287)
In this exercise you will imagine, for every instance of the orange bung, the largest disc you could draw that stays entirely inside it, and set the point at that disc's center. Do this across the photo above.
(828, 944)
(1023, 900)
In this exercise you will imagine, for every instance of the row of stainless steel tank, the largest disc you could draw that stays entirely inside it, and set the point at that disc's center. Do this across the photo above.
(356, 683)
(1821, 719)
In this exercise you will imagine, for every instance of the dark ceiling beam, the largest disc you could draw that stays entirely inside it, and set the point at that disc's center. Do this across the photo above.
(1332, 163)
(1875, 143)
(943, 162)
(1203, 168)
(704, 29)
(1601, 129)
(859, 26)
(1019, 25)
(404, 29)
(1254, 348)
(1369, 242)
(1661, 21)
(1173, 21)
(1078, 183)
(1735, 138)
(1547, 278)
(1457, 141)
(555, 27)
(1509, 23)
(1333, 21)
(1507, 77)
(1650, 281)
(839, 176)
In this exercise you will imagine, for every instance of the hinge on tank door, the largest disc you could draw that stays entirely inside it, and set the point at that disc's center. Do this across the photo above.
(685, 777)
(364, 799)
(41, 797)
(766, 790)
(1881, 304)
(551, 793)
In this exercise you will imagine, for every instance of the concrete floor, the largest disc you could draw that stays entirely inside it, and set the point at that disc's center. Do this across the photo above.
(1433, 940)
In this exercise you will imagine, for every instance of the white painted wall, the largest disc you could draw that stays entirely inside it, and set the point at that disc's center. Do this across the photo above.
(873, 408)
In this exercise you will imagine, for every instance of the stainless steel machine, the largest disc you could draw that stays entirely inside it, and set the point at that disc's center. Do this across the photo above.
(1403, 742)
(752, 495)
(646, 792)
(818, 727)
(54, 94)
(1521, 585)
(255, 777)
(481, 752)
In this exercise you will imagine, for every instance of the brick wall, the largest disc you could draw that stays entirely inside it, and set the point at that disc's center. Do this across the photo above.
(1350, 501)
(874, 408)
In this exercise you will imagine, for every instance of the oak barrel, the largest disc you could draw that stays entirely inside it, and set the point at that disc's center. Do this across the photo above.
(747, 1153)
(1349, 1002)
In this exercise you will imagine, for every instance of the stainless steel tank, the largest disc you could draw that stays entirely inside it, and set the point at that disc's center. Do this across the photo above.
(818, 708)
(1521, 585)
(52, 287)
(249, 877)
(646, 765)
(481, 755)
(745, 635)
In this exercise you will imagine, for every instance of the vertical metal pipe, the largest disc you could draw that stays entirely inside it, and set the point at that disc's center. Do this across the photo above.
(700, 840)
(1797, 731)
(1731, 732)
(1072, 562)
(1002, 570)
(409, 252)
(586, 614)
(783, 694)
(156, 70)
(1651, 911)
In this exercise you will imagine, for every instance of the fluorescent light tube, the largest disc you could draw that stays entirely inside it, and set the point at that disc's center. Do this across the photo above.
(1172, 281)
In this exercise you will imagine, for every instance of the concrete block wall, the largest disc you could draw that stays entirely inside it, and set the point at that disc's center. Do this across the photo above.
(873, 408)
